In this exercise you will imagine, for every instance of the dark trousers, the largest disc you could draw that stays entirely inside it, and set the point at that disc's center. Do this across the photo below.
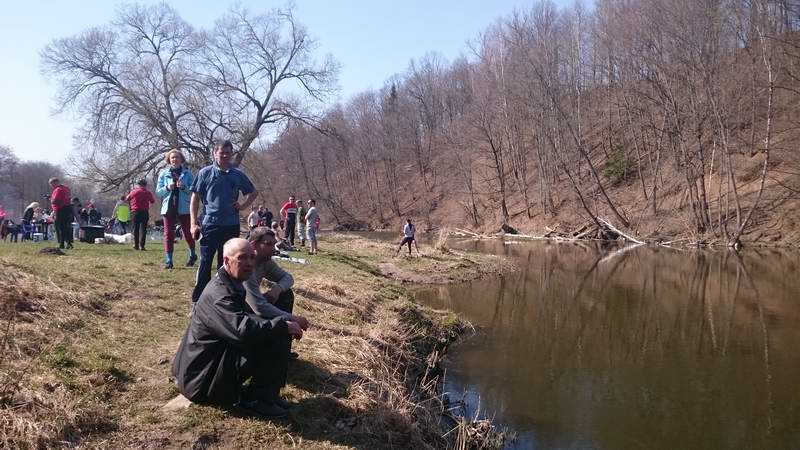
(124, 226)
(140, 219)
(288, 232)
(266, 366)
(63, 226)
(211, 242)
(285, 302)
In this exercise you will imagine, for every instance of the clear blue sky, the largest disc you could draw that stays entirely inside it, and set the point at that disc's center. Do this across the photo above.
(372, 39)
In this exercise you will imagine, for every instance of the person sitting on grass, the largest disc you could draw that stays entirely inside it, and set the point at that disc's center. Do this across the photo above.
(281, 244)
(227, 343)
(279, 300)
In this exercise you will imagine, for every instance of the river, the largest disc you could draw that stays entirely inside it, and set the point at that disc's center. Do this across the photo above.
(598, 347)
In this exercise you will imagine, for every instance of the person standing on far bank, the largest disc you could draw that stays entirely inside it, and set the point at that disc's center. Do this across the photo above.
(409, 237)
(140, 199)
(62, 209)
(217, 187)
(174, 187)
(311, 220)
(301, 222)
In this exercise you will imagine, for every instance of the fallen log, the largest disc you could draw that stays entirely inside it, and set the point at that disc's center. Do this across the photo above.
(508, 229)
(580, 230)
(590, 231)
(616, 230)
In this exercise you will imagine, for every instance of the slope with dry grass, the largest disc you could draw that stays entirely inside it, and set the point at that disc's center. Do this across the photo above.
(87, 341)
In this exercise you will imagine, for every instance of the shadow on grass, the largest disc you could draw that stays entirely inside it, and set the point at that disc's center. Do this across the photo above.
(355, 263)
(315, 297)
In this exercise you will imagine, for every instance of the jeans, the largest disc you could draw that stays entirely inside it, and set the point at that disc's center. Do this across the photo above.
(211, 242)
(140, 219)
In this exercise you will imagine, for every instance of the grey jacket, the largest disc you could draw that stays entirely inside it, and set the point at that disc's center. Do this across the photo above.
(271, 271)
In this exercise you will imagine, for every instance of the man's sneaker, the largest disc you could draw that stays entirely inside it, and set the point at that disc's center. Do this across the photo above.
(69, 246)
(168, 265)
(136, 247)
(261, 409)
(191, 261)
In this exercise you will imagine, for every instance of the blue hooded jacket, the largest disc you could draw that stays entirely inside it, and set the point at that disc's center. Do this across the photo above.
(184, 195)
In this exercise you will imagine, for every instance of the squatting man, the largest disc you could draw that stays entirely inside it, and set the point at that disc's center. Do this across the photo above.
(227, 343)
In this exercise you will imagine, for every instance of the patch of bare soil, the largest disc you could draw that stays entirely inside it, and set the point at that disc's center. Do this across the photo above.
(390, 270)
(433, 270)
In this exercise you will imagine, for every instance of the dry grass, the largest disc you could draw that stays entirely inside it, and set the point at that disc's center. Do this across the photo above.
(37, 315)
(85, 358)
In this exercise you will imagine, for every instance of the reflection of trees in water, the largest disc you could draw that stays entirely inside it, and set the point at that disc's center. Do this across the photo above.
(667, 345)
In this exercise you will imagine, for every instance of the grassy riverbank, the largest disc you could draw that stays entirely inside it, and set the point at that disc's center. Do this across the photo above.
(87, 341)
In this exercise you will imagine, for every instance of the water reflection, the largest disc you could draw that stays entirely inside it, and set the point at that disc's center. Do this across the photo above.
(634, 348)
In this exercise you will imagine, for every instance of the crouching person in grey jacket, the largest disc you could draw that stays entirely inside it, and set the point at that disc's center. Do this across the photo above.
(227, 343)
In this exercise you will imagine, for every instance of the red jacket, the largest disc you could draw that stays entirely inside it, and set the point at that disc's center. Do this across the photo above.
(140, 199)
(288, 208)
(60, 198)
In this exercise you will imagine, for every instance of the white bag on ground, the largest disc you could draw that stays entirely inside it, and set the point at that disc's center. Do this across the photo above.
(119, 238)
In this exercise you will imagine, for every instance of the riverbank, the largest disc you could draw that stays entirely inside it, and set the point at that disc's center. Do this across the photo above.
(88, 338)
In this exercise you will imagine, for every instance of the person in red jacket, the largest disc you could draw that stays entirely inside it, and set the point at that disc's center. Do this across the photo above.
(140, 199)
(62, 210)
(289, 215)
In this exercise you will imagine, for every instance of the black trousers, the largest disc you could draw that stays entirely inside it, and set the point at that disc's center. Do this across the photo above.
(140, 219)
(63, 225)
(285, 302)
(291, 226)
(266, 367)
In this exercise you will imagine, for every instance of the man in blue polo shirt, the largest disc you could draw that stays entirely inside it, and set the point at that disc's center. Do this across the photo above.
(217, 187)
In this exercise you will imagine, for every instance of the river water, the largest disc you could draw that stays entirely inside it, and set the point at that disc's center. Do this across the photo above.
(613, 348)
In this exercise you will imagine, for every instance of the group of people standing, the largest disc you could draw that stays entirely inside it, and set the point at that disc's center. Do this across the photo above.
(296, 221)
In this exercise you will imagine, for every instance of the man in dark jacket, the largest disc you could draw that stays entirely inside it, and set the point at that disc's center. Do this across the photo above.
(227, 343)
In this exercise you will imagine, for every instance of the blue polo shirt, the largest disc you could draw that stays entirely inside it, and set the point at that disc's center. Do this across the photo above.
(219, 189)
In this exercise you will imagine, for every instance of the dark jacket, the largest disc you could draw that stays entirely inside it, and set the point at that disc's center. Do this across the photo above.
(222, 330)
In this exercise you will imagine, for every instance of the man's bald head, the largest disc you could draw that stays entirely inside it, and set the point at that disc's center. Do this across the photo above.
(234, 246)
(238, 256)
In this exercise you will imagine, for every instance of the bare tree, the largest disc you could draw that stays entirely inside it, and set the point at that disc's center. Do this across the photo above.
(150, 82)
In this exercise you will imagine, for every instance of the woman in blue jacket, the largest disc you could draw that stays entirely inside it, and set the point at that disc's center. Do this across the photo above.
(174, 187)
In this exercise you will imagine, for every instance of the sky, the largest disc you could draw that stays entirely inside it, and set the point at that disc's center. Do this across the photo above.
(371, 39)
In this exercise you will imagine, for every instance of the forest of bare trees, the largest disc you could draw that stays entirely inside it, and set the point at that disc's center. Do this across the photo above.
(660, 116)
(641, 112)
